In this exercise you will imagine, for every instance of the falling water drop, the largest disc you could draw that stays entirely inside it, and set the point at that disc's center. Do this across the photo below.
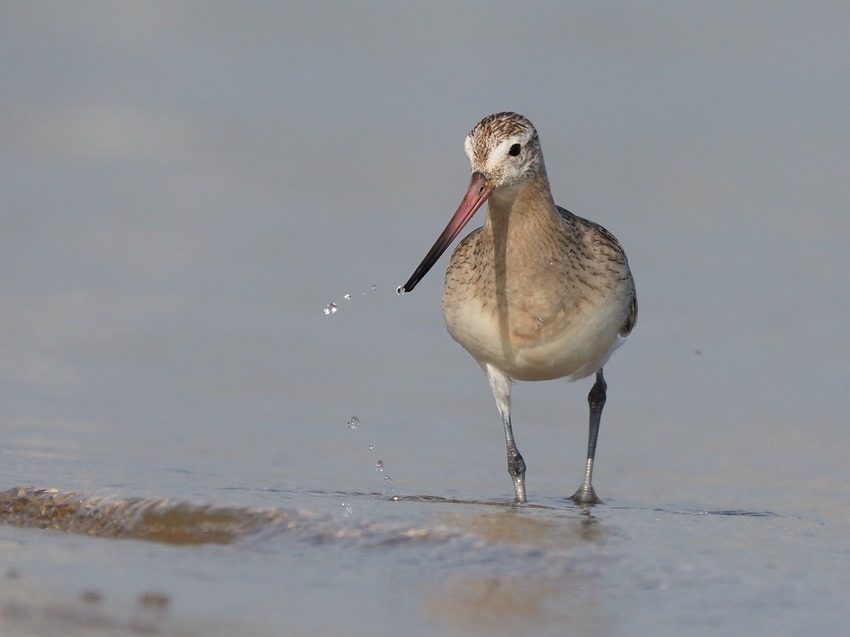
(347, 297)
(379, 466)
(330, 308)
(388, 486)
(353, 423)
(371, 447)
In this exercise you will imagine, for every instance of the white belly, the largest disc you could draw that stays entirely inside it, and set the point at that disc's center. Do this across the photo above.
(573, 342)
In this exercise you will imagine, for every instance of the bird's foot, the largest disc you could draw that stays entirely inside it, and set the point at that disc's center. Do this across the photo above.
(585, 495)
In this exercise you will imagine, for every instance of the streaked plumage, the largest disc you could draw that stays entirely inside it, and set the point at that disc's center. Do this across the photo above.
(537, 292)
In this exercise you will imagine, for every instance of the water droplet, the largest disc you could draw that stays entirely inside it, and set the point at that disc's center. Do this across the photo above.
(347, 297)
(379, 466)
(400, 290)
(330, 308)
(388, 485)
(371, 447)
(353, 423)
(374, 287)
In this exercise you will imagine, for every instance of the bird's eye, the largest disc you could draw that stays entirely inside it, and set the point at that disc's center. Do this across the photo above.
(514, 150)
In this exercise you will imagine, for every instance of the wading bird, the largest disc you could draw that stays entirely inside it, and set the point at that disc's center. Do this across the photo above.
(537, 293)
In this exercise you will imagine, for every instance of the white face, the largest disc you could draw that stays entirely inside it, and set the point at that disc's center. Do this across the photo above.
(506, 160)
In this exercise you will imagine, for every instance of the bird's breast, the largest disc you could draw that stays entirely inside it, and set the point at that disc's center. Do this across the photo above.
(535, 315)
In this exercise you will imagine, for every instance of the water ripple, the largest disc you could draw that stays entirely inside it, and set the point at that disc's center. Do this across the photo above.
(174, 522)
(158, 520)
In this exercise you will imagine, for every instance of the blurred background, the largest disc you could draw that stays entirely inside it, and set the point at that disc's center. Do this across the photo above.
(187, 185)
(206, 210)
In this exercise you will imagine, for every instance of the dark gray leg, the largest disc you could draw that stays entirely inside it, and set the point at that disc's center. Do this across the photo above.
(500, 383)
(516, 465)
(596, 400)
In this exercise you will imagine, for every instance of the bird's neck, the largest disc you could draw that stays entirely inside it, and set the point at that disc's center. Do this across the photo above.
(525, 209)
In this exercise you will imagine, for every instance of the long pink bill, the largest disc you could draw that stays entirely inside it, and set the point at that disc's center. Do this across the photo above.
(477, 193)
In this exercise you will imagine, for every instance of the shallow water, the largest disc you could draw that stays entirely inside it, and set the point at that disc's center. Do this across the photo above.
(187, 193)
(418, 565)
